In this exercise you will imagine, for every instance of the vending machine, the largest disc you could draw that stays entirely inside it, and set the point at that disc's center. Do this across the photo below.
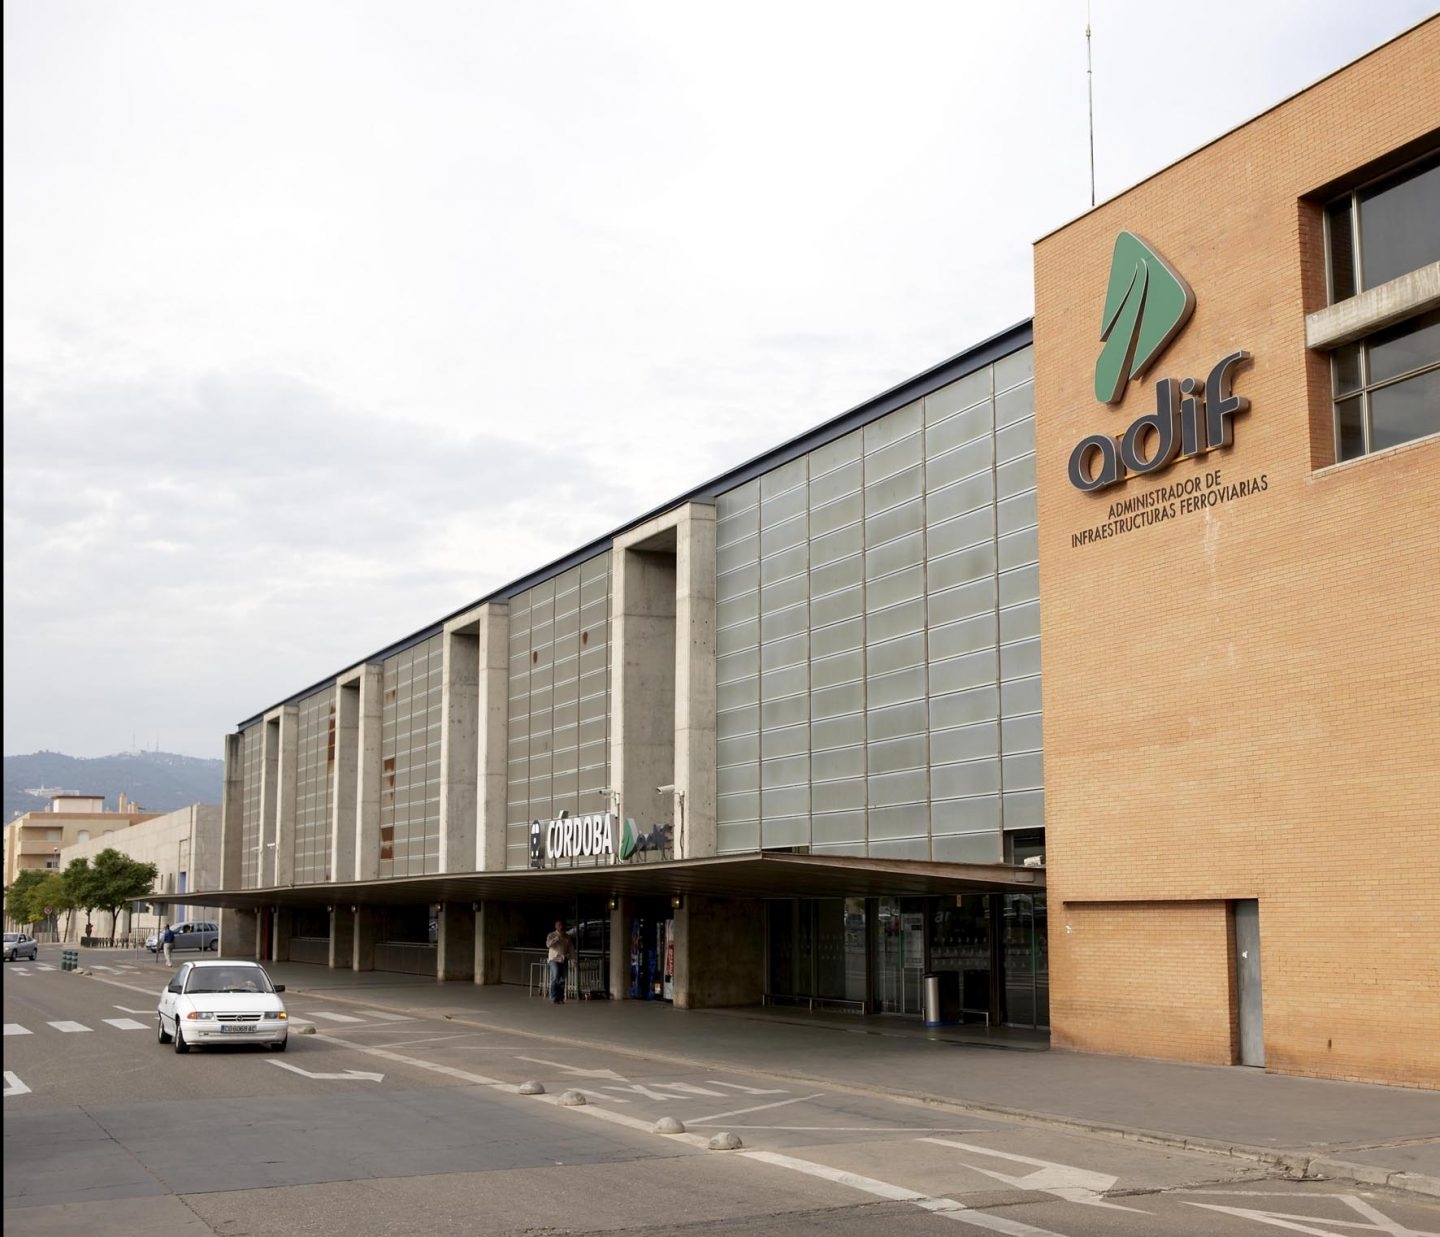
(667, 984)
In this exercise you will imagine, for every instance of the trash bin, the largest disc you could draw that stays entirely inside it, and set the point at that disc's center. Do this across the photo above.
(942, 998)
(69, 959)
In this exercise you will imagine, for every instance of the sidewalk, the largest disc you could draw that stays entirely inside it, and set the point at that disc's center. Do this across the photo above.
(1372, 1134)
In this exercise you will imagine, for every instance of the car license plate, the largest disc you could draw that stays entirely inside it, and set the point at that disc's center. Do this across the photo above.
(238, 1029)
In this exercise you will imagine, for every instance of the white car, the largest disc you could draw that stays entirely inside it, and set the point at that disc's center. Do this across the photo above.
(209, 1003)
(18, 945)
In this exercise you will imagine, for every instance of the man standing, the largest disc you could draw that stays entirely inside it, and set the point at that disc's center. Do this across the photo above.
(167, 939)
(559, 949)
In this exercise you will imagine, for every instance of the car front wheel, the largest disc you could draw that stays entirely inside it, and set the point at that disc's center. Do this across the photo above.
(280, 1047)
(161, 1035)
(180, 1045)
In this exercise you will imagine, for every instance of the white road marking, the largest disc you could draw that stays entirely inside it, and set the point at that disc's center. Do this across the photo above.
(1076, 1185)
(43, 966)
(350, 1075)
(14, 1028)
(13, 1086)
(689, 1089)
(575, 1069)
(1306, 1223)
(946, 1207)
(125, 1024)
(735, 1086)
(125, 1009)
(100, 966)
(322, 1013)
(740, 1112)
(386, 1017)
(18, 970)
(69, 1026)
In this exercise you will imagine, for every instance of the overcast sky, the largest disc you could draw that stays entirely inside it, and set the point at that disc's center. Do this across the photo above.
(322, 320)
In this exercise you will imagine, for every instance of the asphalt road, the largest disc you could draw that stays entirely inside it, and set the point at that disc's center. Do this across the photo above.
(381, 1124)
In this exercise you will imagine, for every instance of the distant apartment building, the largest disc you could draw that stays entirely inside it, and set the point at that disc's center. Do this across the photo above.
(37, 839)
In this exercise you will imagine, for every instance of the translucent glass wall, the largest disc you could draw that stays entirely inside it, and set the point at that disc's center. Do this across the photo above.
(314, 782)
(559, 739)
(252, 765)
(877, 645)
(410, 726)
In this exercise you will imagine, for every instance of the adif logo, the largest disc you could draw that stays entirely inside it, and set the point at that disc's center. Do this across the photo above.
(1147, 302)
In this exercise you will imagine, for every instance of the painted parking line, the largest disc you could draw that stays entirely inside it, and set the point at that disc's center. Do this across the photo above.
(125, 1024)
(383, 1016)
(14, 1028)
(69, 1027)
(13, 1086)
(18, 970)
(321, 1013)
(43, 966)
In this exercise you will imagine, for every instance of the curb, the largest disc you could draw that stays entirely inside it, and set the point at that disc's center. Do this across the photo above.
(1300, 1165)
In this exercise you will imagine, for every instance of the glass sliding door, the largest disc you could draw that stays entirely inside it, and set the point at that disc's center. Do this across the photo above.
(900, 955)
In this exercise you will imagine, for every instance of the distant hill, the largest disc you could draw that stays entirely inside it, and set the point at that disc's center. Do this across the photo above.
(155, 781)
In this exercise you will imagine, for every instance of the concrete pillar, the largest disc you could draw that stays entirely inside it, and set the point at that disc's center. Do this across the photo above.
(620, 916)
(366, 932)
(287, 782)
(367, 777)
(460, 673)
(344, 820)
(455, 948)
(642, 674)
(232, 811)
(342, 938)
(490, 930)
(280, 944)
(719, 953)
(492, 736)
(695, 680)
(663, 675)
(239, 935)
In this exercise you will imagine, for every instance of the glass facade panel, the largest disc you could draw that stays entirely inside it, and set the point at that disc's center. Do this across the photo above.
(884, 573)
(560, 687)
(314, 786)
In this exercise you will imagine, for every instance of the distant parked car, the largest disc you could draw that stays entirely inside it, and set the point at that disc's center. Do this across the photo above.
(210, 1002)
(18, 945)
(201, 936)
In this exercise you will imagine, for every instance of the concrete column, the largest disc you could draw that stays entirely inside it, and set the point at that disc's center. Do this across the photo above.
(367, 777)
(490, 929)
(663, 675)
(287, 782)
(458, 751)
(239, 935)
(366, 932)
(719, 953)
(343, 799)
(695, 680)
(280, 945)
(455, 951)
(620, 918)
(492, 736)
(642, 673)
(232, 811)
(342, 938)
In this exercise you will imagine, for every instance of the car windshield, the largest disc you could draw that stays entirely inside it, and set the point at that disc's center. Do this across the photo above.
(11, 937)
(227, 979)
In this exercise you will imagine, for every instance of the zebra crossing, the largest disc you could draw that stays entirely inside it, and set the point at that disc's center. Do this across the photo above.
(67, 1027)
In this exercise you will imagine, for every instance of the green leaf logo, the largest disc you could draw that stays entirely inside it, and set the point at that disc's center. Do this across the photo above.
(628, 838)
(1146, 304)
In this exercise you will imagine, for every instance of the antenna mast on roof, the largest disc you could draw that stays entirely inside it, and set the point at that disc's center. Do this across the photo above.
(1090, 89)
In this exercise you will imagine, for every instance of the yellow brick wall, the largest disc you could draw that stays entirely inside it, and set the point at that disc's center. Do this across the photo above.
(1244, 701)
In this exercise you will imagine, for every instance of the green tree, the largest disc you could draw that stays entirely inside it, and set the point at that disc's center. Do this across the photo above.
(19, 901)
(116, 880)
